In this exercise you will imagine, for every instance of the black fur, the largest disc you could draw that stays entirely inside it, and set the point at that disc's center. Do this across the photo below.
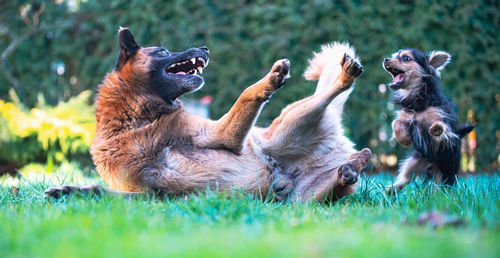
(163, 83)
(168, 85)
(445, 155)
(128, 47)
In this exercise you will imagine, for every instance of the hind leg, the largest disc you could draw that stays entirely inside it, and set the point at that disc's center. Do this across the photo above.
(410, 167)
(448, 167)
(349, 172)
(306, 114)
(335, 183)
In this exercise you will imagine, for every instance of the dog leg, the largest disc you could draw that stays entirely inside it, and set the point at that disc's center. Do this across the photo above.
(306, 114)
(348, 172)
(333, 184)
(231, 130)
(60, 191)
(401, 132)
(410, 167)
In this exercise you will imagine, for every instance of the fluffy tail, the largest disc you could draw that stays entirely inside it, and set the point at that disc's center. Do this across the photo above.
(464, 129)
(325, 67)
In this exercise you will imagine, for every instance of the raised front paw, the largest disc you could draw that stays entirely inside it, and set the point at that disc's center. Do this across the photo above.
(436, 129)
(350, 68)
(401, 132)
(279, 73)
(60, 191)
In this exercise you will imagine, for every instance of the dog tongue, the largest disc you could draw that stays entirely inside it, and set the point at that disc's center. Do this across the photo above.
(180, 73)
(399, 77)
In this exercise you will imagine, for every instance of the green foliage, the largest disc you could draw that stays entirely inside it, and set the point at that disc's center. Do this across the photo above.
(367, 224)
(46, 133)
(245, 38)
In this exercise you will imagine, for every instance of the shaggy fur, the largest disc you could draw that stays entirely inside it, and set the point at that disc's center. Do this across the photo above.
(146, 143)
(426, 121)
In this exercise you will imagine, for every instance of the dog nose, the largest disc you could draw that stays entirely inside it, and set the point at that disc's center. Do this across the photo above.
(386, 60)
(204, 48)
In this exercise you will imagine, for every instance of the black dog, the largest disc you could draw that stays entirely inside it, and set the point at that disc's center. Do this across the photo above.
(426, 119)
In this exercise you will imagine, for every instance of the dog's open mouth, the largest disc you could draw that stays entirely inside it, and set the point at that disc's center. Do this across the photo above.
(191, 66)
(398, 77)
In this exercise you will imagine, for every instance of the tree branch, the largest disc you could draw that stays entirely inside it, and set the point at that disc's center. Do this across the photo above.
(13, 45)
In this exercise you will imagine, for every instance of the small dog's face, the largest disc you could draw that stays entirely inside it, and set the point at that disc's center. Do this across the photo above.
(408, 66)
(166, 74)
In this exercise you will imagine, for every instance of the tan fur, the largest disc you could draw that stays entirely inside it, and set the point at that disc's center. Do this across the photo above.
(409, 169)
(322, 60)
(143, 144)
(413, 73)
(432, 117)
(438, 60)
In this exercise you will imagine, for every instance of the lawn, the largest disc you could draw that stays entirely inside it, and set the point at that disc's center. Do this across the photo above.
(367, 224)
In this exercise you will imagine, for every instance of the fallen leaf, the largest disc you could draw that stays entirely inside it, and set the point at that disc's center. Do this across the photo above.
(438, 219)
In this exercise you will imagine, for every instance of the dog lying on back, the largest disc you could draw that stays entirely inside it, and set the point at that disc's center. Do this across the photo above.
(146, 143)
(426, 120)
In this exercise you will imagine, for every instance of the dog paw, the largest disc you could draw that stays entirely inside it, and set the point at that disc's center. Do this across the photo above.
(279, 73)
(350, 67)
(403, 137)
(436, 129)
(390, 190)
(401, 132)
(347, 175)
(394, 189)
(59, 191)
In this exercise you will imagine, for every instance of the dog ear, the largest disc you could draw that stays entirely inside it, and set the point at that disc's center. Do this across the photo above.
(438, 59)
(128, 46)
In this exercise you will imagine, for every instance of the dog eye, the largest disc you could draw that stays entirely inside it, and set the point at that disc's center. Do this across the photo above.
(163, 52)
(406, 58)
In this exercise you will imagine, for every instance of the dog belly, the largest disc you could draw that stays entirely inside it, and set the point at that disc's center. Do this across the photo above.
(219, 169)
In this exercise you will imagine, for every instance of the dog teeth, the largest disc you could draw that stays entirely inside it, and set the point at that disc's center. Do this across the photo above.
(202, 61)
(195, 60)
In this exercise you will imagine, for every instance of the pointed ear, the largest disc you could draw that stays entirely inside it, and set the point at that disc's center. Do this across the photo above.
(438, 59)
(128, 46)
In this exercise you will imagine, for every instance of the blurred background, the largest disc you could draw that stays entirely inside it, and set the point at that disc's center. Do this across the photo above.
(55, 53)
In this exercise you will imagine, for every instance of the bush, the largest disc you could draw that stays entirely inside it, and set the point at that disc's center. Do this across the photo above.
(46, 134)
(74, 46)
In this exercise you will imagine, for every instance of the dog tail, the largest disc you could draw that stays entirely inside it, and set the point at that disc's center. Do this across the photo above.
(325, 67)
(465, 129)
(329, 57)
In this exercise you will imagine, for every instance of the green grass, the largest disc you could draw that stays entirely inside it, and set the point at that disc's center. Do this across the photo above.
(367, 224)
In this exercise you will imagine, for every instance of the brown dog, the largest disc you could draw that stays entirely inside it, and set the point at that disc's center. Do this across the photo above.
(146, 143)
(427, 121)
